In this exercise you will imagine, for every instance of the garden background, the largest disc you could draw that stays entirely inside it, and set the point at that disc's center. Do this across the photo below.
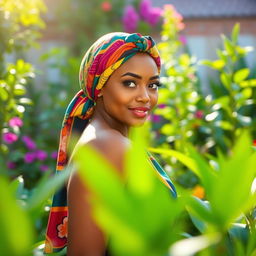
(202, 132)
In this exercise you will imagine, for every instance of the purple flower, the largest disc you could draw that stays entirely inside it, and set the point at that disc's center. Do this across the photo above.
(153, 16)
(15, 121)
(54, 154)
(29, 157)
(130, 19)
(11, 165)
(44, 168)
(149, 13)
(161, 106)
(41, 155)
(155, 118)
(30, 144)
(9, 137)
(144, 8)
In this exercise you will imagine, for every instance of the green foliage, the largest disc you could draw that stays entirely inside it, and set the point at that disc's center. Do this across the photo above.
(13, 219)
(135, 210)
(210, 122)
(19, 24)
(133, 231)
(19, 218)
(141, 218)
(234, 108)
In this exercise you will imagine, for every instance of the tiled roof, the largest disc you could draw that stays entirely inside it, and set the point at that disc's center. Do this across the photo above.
(211, 8)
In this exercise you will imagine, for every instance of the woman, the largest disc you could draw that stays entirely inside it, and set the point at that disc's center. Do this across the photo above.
(119, 78)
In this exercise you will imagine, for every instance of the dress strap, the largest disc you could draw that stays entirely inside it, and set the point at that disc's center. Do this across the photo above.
(164, 177)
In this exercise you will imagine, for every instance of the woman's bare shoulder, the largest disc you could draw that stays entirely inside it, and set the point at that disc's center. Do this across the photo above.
(112, 145)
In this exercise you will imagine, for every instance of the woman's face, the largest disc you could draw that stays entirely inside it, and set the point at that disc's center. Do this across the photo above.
(132, 91)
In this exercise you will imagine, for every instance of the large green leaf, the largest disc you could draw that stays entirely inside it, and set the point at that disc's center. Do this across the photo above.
(235, 33)
(232, 188)
(186, 160)
(16, 236)
(190, 246)
(241, 75)
(44, 189)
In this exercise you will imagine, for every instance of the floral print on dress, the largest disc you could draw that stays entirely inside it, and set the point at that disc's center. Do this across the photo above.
(63, 228)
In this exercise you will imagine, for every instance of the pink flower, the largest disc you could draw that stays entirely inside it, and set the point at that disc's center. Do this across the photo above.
(155, 118)
(11, 165)
(191, 76)
(130, 19)
(54, 154)
(15, 121)
(169, 7)
(183, 39)
(40, 155)
(174, 16)
(9, 137)
(30, 144)
(153, 16)
(106, 6)
(199, 114)
(29, 157)
(144, 8)
(148, 13)
(44, 168)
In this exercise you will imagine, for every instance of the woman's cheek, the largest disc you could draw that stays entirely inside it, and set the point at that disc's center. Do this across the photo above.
(154, 99)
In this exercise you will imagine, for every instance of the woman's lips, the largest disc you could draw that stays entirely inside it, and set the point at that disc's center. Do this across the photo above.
(140, 111)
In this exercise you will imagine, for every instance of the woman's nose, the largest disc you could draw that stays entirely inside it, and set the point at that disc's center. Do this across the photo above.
(143, 95)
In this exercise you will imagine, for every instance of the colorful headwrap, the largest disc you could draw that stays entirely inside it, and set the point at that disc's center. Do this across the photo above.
(99, 62)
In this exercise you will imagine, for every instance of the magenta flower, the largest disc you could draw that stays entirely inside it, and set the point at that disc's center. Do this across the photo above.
(29, 157)
(11, 165)
(15, 121)
(54, 154)
(144, 8)
(183, 39)
(161, 106)
(41, 155)
(149, 13)
(9, 137)
(30, 144)
(130, 19)
(155, 118)
(44, 168)
(199, 114)
(153, 16)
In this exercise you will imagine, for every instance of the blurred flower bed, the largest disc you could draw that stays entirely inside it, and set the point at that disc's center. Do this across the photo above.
(193, 134)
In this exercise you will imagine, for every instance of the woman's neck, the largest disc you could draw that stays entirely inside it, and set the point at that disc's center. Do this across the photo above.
(104, 120)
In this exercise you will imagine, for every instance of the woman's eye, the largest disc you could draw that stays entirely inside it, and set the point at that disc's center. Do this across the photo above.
(129, 83)
(154, 85)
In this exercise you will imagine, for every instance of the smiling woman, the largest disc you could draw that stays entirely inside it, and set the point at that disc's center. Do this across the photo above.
(119, 79)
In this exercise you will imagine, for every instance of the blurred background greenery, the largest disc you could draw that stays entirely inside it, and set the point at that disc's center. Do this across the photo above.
(202, 132)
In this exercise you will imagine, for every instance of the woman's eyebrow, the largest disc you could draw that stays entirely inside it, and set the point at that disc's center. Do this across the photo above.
(139, 77)
(132, 74)
(154, 77)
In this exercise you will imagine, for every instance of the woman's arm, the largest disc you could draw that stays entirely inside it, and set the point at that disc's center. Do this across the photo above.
(85, 238)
